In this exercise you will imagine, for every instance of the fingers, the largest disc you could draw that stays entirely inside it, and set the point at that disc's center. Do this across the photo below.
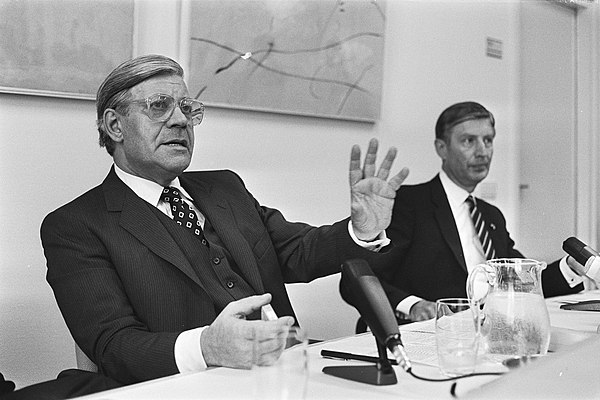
(369, 167)
(268, 346)
(368, 170)
(386, 165)
(247, 305)
(270, 340)
(355, 171)
(398, 179)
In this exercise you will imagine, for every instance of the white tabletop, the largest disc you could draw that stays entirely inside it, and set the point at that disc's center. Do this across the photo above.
(224, 383)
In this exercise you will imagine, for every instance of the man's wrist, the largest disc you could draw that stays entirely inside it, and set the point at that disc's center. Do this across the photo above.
(188, 351)
(376, 244)
(571, 275)
(406, 304)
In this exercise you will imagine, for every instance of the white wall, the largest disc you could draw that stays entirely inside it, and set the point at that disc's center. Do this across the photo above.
(434, 56)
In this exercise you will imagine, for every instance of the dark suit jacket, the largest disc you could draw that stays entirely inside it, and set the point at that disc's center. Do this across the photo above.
(127, 287)
(427, 259)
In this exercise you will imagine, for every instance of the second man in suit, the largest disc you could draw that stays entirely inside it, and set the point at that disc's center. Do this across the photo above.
(435, 239)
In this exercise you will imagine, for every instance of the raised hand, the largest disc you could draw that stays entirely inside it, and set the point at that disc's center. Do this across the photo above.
(372, 195)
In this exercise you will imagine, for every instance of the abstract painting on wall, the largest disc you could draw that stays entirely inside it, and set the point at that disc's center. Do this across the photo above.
(306, 57)
(63, 48)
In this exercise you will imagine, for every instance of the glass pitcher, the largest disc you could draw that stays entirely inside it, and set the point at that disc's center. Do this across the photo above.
(515, 320)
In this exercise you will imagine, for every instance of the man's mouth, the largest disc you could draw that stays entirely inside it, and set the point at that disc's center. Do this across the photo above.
(176, 143)
(479, 166)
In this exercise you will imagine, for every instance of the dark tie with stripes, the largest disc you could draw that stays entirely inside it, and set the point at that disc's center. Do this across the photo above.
(183, 214)
(482, 229)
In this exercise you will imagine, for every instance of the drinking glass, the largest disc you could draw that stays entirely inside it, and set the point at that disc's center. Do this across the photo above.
(457, 335)
(287, 377)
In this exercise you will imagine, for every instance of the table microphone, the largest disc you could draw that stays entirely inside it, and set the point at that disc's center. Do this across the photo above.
(584, 255)
(360, 287)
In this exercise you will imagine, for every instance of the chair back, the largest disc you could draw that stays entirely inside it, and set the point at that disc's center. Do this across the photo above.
(83, 361)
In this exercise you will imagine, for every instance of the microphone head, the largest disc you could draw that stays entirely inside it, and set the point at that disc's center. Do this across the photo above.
(578, 250)
(360, 288)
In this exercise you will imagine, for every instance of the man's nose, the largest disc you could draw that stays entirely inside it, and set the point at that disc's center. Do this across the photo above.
(481, 148)
(178, 118)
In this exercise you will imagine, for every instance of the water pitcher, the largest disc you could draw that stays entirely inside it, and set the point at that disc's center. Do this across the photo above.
(515, 319)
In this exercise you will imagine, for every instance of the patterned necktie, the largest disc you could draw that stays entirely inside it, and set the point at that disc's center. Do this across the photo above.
(183, 213)
(481, 229)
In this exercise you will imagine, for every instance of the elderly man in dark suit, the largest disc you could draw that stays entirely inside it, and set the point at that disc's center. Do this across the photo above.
(158, 271)
(436, 242)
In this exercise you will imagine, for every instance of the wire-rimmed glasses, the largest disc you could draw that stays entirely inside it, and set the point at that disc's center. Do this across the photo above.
(160, 107)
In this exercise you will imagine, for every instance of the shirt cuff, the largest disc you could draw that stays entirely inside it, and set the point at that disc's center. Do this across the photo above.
(188, 353)
(405, 305)
(381, 241)
(570, 276)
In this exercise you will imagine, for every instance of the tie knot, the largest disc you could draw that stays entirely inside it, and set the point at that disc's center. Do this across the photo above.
(170, 195)
(470, 202)
(182, 212)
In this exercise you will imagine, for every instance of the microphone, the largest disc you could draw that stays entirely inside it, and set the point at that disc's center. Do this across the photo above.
(360, 288)
(584, 255)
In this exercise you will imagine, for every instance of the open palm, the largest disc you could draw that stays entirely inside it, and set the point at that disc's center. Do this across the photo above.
(372, 195)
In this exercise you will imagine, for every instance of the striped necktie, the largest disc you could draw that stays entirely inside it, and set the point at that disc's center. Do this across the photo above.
(481, 228)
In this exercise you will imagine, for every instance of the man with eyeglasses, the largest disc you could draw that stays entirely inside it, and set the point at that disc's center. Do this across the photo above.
(158, 271)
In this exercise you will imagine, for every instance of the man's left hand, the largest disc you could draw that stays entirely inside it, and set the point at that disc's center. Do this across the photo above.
(372, 195)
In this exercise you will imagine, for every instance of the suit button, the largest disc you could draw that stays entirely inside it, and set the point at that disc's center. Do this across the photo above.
(216, 260)
(204, 242)
(230, 284)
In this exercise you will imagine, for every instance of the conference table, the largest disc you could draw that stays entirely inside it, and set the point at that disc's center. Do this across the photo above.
(570, 370)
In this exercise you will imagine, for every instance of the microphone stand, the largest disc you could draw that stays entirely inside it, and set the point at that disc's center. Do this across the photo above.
(382, 373)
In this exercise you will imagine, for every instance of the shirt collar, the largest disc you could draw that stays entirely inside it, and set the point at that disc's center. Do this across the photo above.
(147, 190)
(456, 195)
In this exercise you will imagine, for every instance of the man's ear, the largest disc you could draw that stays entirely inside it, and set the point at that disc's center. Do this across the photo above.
(441, 148)
(112, 125)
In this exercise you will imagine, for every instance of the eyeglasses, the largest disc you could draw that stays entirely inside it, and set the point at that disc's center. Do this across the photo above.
(160, 107)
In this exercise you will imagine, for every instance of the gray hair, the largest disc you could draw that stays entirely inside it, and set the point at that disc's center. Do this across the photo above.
(114, 91)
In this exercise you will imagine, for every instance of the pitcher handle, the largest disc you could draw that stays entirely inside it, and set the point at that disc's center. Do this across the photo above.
(471, 279)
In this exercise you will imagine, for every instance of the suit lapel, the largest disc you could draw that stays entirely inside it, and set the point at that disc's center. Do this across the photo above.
(445, 220)
(215, 207)
(138, 219)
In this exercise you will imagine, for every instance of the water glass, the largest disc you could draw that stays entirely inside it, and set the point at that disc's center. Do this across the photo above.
(287, 377)
(457, 335)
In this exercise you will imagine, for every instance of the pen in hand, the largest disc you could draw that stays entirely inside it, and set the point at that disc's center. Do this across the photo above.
(339, 355)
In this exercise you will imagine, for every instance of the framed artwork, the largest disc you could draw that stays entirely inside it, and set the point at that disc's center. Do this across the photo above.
(306, 57)
(62, 48)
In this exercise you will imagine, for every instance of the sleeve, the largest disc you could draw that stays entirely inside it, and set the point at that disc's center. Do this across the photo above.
(405, 305)
(303, 252)
(554, 282)
(94, 303)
